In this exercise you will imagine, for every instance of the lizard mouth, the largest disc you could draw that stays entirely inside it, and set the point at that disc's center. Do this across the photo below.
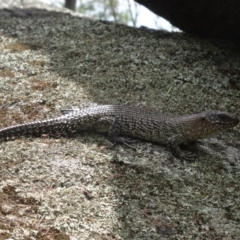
(232, 123)
(236, 121)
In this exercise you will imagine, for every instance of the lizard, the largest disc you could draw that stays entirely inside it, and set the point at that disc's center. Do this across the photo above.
(122, 123)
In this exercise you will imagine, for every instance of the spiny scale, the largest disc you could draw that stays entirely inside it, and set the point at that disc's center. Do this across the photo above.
(125, 121)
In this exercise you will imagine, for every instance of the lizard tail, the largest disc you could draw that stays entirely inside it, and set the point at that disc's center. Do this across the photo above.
(55, 126)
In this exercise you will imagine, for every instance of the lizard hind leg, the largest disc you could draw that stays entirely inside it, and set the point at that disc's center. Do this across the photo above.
(77, 109)
(109, 125)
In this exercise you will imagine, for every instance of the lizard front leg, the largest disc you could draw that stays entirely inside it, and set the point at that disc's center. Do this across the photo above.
(174, 142)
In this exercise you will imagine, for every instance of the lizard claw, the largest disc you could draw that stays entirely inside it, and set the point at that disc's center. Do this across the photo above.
(190, 157)
(124, 141)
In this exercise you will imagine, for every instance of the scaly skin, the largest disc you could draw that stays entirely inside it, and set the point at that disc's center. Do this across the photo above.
(124, 121)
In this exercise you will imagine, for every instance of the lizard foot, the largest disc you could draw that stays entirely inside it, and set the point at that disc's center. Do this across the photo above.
(190, 157)
(124, 141)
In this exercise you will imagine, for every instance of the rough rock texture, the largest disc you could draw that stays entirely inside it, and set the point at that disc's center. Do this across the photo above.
(79, 188)
(208, 18)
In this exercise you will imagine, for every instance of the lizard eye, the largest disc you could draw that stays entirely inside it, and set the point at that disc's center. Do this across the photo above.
(203, 119)
(223, 117)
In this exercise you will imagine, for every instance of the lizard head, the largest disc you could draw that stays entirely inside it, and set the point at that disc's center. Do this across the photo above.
(215, 121)
(209, 123)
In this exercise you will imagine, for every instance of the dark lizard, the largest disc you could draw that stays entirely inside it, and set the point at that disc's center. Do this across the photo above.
(125, 121)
